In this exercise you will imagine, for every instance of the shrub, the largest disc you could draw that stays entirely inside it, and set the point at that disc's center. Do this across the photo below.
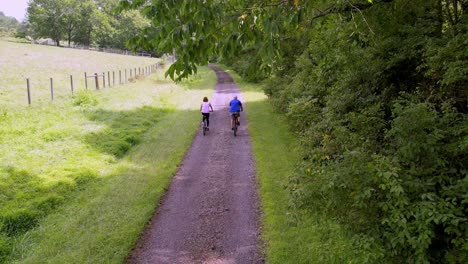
(85, 98)
(383, 126)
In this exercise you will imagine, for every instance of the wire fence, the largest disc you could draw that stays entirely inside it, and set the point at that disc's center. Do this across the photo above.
(96, 80)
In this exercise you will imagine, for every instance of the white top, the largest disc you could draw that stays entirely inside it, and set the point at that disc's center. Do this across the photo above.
(205, 107)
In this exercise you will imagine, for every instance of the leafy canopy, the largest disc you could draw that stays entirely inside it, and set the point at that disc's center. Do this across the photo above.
(201, 30)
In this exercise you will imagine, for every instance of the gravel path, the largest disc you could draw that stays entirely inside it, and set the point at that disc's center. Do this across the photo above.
(210, 213)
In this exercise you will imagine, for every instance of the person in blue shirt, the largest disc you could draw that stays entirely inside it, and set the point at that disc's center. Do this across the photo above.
(235, 107)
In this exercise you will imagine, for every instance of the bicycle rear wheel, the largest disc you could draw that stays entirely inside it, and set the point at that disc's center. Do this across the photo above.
(234, 123)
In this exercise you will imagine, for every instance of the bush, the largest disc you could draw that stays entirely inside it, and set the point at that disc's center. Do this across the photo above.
(383, 126)
(85, 98)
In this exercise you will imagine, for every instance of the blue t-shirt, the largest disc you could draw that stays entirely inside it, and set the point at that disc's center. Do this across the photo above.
(235, 106)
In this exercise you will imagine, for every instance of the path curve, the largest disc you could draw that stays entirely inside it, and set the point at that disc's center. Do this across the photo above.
(210, 213)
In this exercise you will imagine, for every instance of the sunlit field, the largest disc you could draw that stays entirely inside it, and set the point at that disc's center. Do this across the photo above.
(38, 63)
(91, 165)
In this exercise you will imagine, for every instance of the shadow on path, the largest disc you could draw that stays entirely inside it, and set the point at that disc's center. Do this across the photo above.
(210, 213)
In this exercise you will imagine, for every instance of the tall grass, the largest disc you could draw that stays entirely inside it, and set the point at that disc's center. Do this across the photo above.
(286, 238)
(80, 176)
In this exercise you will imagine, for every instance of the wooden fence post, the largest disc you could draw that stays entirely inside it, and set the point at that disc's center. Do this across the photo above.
(29, 91)
(71, 83)
(108, 78)
(86, 80)
(113, 78)
(51, 89)
(97, 80)
(103, 80)
(125, 75)
(120, 76)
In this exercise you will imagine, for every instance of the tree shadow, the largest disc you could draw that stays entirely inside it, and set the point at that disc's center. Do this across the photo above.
(124, 129)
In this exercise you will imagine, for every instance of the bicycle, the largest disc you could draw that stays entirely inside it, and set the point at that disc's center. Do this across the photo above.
(235, 122)
(204, 126)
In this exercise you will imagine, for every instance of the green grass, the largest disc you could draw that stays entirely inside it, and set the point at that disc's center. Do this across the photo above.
(317, 239)
(104, 221)
(20, 61)
(80, 176)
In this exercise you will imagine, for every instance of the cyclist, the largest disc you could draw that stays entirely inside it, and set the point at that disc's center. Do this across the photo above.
(205, 109)
(235, 107)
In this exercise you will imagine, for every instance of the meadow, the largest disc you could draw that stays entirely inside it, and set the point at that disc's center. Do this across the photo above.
(81, 175)
(38, 63)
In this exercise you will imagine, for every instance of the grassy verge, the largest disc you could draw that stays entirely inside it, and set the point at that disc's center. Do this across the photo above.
(104, 221)
(287, 239)
(80, 176)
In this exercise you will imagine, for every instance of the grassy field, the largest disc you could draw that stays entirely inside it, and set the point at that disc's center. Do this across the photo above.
(20, 61)
(80, 176)
(286, 238)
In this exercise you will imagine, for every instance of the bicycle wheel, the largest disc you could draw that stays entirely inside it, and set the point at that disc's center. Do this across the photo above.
(204, 128)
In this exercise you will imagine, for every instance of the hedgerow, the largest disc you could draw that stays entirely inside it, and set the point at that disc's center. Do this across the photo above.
(380, 105)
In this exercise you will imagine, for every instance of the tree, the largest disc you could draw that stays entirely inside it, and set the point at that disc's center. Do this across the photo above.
(129, 25)
(377, 91)
(46, 18)
(70, 18)
(24, 30)
(8, 24)
(200, 30)
(87, 14)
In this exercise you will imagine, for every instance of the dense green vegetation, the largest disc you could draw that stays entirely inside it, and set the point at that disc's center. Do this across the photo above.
(87, 23)
(8, 25)
(318, 239)
(84, 166)
(377, 92)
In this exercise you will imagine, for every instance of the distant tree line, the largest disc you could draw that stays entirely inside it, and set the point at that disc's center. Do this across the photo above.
(85, 22)
(8, 25)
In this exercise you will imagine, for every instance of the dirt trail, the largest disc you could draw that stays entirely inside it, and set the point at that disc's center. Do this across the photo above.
(210, 213)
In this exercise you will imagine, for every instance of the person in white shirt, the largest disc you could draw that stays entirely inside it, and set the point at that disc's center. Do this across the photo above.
(205, 109)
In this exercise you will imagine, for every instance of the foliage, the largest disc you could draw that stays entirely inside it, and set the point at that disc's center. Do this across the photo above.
(7, 24)
(317, 239)
(82, 22)
(377, 92)
(382, 116)
(46, 18)
(85, 98)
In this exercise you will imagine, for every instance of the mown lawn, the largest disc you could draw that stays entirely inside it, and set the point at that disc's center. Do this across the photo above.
(80, 176)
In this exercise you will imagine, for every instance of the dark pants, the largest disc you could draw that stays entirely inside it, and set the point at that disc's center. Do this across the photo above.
(206, 116)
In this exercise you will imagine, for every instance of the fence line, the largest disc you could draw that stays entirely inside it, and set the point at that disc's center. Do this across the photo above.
(147, 70)
(94, 48)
